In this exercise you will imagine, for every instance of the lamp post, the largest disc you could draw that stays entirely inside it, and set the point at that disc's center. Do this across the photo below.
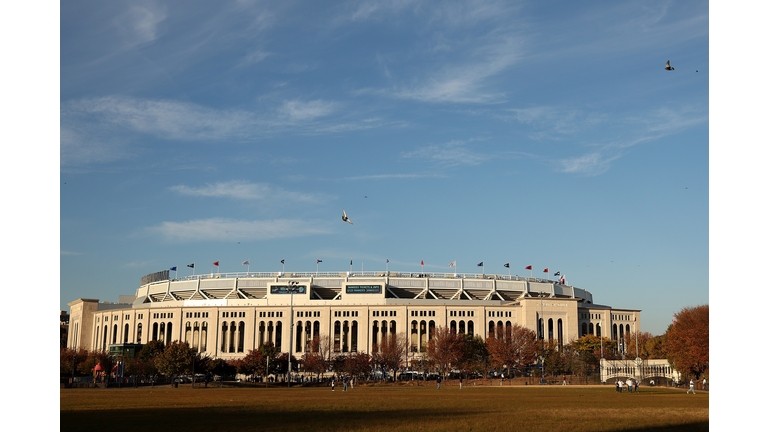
(541, 317)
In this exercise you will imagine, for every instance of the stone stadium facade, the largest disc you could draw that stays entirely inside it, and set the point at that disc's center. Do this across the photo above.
(226, 315)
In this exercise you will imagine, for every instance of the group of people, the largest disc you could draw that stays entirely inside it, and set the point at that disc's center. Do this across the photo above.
(349, 382)
(630, 383)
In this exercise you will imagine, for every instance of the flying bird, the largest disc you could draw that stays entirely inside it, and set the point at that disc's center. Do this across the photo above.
(345, 218)
(668, 67)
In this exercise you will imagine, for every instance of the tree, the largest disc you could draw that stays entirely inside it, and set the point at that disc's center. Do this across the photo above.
(148, 354)
(643, 338)
(687, 341)
(555, 360)
(253, 363)
(392, 351)
(474, 356)
(358, 363)
(314, 358)
(70, 359)
(515, 347)
(445, 349)
(176, 359)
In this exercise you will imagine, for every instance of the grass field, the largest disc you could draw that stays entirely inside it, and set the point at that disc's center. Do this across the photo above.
(509, 408)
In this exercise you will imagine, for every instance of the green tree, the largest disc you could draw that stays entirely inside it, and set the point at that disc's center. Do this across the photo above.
(474, 356)
(176, 359)
(149, 352)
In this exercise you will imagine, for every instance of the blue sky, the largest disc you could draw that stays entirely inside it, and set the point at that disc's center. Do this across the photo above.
(543, 134)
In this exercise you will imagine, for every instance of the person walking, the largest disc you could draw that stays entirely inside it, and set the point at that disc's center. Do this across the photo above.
(637, 384)
(618, 388)
(345, 381)
(439, 380)
(461, 382)
(333, 384)
(690, 388)
(704, 384)
(629, 385)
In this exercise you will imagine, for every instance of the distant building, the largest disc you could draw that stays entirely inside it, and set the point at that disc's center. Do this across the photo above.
(226, 315)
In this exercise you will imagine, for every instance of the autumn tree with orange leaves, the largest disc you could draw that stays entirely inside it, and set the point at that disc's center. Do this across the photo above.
(445, 349)
(687, 341)
(515, 347)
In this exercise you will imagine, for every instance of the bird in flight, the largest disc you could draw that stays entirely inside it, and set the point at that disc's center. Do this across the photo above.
(345, 218)
(668, 67)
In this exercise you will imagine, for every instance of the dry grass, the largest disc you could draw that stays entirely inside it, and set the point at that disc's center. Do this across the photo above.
(531, 408)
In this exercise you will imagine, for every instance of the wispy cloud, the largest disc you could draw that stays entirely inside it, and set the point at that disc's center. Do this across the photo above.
(303, 111)
(393, 176)
(221, 229)
(634, 130)
(245, 191)
(449, 154)
(69, 253)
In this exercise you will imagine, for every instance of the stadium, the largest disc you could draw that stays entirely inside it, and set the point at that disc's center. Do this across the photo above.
(225, 315)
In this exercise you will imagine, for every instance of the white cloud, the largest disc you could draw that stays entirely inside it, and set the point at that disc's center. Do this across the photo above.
(591, 164)
(245, 191)
(221, 229)
(449, 154)
(140, 22)
(69, 253)
(302, 111)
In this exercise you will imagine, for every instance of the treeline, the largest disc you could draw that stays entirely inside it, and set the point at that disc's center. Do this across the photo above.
(513, 350)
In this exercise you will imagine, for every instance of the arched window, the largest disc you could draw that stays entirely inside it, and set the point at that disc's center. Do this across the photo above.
(599, 330)
(591, 328)
(138, 333)
(354, 336)
(550, 329)
(204, 337)
(104, 343)
(96, 342)
(462, 329)
(154, 331)
(453, 326)
(424, 330)
(491, 329)
(224, 328)
(114, 334)
(195, 335)
(393, 327)
(241, 337)
(232, 335)
(583, 329)
(337, 336)
(414, 335)
(471, 328)
(270, 332)
(375, 336)
(307, 335)
(188, 334)
(299, 332)
(279, 335)
(169, 330)
(125, 333)
(345, 337)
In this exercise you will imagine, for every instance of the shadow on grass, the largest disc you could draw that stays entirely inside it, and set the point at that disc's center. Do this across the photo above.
(244, 418)
(694, 427)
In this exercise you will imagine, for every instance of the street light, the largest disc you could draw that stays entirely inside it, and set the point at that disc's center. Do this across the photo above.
(541, 317)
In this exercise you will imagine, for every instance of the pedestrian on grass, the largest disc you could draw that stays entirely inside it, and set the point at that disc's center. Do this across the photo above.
(690, 388)
(333, 384)
(618, 389)
(461, 382)
(637, 384)
(704, 384)
(439, 380)
(345, 381)
(629, 385)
